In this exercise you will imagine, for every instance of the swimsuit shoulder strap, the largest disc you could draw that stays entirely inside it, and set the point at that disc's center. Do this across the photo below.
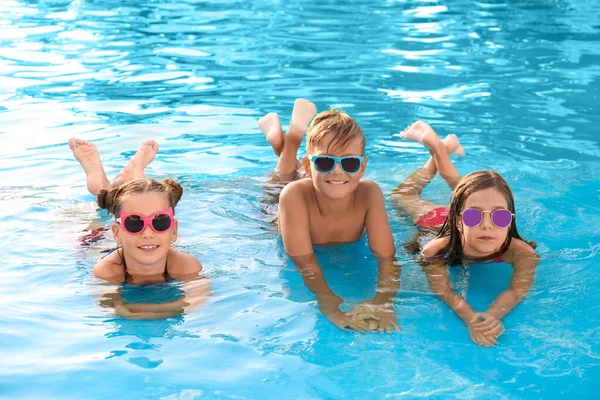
(124, 267)
(166, 273)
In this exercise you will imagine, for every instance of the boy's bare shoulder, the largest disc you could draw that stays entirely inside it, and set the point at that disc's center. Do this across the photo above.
(432, 248)
(299, 185)
(368, 189)
(368, 185)
(296, 191)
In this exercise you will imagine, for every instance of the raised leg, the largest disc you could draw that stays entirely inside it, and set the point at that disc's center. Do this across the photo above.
(302, 114)
(424, 134)
(135, 167)
(407, 195)
(270, 125)
(87, 155)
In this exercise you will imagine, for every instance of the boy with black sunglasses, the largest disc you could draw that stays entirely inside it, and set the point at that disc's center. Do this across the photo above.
(334, 206)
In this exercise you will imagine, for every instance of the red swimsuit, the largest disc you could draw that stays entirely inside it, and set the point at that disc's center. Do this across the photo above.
(433, 218)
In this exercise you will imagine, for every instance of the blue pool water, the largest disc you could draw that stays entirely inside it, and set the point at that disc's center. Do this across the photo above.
(516, 80)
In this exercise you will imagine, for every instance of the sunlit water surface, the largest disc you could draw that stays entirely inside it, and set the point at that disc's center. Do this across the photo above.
(517, 81)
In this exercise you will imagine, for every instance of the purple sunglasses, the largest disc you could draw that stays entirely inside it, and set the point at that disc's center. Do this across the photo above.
(501, 218)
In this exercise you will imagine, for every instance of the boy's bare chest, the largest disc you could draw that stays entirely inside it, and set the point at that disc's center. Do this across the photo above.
(344, 228)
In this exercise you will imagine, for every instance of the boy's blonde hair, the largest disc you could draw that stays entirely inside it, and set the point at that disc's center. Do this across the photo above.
(340, 125)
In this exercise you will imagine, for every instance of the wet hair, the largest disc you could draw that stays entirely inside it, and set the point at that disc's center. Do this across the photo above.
(416, 244)
(452, 253)
(112, 199)
(337, 123)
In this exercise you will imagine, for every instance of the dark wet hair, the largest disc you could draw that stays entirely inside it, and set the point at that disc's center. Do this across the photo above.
(112, 199)
(416, 244)
(452, 253)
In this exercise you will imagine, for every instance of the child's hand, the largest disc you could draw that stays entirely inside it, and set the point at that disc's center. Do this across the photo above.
(121, 310)
(480, 339)
(487, 324)
(484, 329)
(380, 317)
(347, 322)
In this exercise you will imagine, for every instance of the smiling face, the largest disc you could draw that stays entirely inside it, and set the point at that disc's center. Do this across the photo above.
(147, 247)
(335, 184)
(485, 238)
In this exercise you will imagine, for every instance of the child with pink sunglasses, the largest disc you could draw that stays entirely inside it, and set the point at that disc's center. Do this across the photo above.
(145, 229)
(479, 226)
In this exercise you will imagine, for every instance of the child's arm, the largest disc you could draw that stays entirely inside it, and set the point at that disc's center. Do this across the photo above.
(437, 275)
(295, 231)
(185, 267)
(388, 280)
(524, 261)
(381, 243)
(328, 301)
(380, 312)
(381, 240)
(196, 293)
(149, 311)
(113, 300)
(109, 269)
(294, 222)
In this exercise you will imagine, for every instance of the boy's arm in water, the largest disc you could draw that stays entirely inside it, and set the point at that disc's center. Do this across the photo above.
(328, 301)
(524, 261)
(437, 276)
(295, 231)
(381, 242)
(379, 313)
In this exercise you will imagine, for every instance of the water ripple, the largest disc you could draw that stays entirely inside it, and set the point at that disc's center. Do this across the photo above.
(517, 81)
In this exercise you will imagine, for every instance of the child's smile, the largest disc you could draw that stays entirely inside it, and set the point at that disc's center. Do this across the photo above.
(336, 182)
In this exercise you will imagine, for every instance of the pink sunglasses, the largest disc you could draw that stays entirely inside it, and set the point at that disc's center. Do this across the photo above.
(159, 222)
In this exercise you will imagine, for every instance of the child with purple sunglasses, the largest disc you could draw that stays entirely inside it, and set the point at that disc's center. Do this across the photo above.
(145, 229)
(479, 226)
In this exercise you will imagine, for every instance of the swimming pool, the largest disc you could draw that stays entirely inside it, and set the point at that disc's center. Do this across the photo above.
(517, 81)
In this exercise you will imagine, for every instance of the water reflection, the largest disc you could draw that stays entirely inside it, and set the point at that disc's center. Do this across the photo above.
(209, 70)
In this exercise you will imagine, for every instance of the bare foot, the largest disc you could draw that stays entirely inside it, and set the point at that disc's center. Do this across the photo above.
(87, 155)
(453, 145)
(423, 133)
(135, 167)
(302, 114)
(145, 154)
(270, 125)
